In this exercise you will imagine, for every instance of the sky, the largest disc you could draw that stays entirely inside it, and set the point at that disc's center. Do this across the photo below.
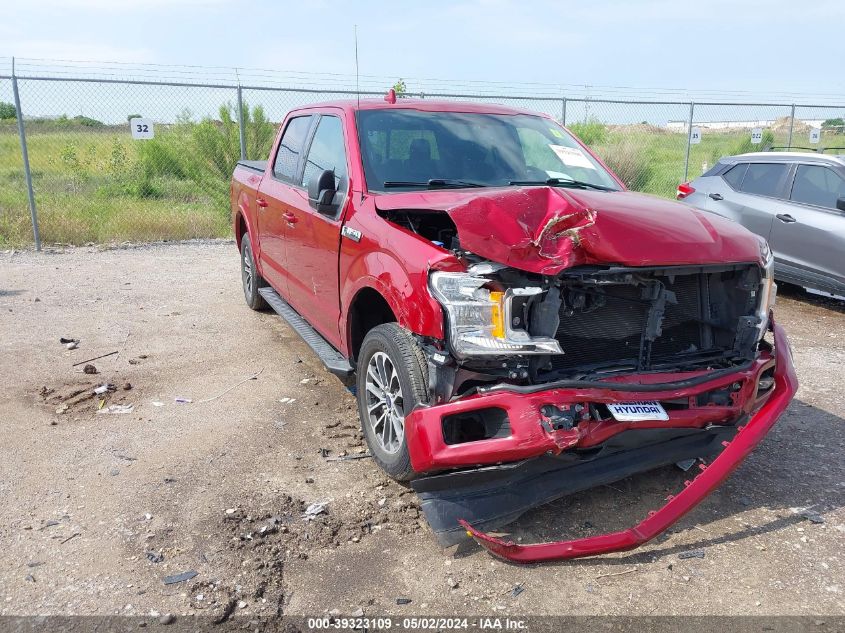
(713, 47)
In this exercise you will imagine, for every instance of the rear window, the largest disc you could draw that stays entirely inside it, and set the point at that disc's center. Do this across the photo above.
(735, 174)
(763, 179)
(290, 148)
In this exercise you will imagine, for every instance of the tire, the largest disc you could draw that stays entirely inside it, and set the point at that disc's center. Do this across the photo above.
(250, 279)
(396, 345)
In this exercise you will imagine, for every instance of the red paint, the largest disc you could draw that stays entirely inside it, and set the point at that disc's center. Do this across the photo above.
(786, 384)
(429, 452)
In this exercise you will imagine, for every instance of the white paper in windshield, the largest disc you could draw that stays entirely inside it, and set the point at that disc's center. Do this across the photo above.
(571, 156)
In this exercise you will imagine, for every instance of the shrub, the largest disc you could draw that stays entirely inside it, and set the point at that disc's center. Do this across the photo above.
(7, 111)
(591, 132)
(628, 161)
(837, 125)
(745, 146)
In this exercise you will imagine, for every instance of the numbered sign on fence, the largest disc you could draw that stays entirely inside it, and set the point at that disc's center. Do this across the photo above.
(757, 135)
(815, 135)
(141, 128)
(695, 135)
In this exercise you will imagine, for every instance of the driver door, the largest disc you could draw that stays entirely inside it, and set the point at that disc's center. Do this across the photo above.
(313, 238)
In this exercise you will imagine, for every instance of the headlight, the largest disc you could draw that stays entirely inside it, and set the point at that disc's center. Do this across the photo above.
(480, 322)
(768, 287)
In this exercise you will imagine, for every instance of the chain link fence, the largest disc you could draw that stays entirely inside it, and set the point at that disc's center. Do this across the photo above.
(94, 183)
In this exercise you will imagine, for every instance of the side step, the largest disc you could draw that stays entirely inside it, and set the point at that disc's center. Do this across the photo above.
(332, 359)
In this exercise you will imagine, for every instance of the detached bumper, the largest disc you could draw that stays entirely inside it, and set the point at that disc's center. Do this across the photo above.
(566, 461)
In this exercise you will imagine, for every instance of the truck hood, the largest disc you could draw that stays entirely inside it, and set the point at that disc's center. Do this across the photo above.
(548, 229)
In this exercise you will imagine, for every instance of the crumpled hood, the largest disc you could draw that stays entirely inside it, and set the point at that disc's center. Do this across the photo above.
(547, 229)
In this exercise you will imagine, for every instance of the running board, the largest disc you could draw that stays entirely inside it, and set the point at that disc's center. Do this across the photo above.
(332, 359)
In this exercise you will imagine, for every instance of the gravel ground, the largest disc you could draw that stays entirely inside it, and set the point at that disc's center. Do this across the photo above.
(98, 508)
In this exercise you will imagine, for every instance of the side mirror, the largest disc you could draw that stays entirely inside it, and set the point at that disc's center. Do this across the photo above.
(321, 190)
(840, 204)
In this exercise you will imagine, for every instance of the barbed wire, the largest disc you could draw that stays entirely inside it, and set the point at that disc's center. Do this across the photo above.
(230, 75)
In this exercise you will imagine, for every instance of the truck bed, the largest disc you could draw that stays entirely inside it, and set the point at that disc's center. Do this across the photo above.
(254, 165)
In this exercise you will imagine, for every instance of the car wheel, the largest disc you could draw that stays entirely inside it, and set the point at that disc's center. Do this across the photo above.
(250, 278)
(392, 380)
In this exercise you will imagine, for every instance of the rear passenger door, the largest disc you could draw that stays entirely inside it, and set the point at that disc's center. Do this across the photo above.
(809, 237)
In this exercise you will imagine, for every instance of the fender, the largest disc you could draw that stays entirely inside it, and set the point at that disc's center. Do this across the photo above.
(244, 212)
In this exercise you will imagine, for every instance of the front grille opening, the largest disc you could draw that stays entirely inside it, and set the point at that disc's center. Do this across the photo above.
(607, 319)
(472, 426)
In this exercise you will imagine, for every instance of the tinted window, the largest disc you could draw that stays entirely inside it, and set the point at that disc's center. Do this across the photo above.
(734, 175)
(817, 185)
(287, 158)
(763, 178)
(327, 152)
(413, 146)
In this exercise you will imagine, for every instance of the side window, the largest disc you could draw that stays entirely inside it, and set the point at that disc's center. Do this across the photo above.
(763, 178)
(327, 151)
(290, 147)
(735, 174)
(817, 185)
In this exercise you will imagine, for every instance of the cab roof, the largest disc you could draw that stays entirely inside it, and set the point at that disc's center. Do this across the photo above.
(426, 105)
(787, 157)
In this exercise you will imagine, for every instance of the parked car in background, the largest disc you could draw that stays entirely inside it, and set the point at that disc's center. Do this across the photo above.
(795, 200)
(520, 327)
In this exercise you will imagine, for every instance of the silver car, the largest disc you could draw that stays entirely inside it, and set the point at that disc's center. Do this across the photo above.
(795, 200)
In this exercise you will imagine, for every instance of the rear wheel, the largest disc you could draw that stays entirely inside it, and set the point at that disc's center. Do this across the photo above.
(392, 380)
(250, 278)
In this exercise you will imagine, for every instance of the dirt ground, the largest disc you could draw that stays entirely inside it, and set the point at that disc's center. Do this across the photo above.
(97, 508)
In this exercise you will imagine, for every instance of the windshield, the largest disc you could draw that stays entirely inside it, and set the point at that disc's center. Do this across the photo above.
(406, 149)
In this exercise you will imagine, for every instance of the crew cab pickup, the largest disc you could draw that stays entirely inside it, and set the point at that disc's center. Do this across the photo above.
(518, 326)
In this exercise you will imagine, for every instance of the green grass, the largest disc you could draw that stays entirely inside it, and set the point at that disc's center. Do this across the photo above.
(95, 184)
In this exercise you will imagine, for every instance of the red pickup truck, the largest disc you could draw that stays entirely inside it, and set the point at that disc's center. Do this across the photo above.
(519, 326)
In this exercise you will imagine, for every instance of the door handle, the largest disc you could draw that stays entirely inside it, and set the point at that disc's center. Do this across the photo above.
(290, 218)
(785, 217)
(261, 202)
(716, 196)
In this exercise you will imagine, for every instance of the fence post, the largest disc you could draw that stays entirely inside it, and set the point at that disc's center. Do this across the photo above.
(791, 126)
(241, 131)
(689, 139)
(563, 112)
(25, 155)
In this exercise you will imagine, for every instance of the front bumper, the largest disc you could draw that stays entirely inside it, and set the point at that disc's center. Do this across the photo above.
(493, 495)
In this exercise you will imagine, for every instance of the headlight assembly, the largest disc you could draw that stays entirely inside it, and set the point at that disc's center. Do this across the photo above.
(480, 321)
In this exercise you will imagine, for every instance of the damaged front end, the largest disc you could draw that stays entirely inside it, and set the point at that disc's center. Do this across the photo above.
(531, 391)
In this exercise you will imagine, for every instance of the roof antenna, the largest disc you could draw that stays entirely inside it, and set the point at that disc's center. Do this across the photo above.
(357, 85)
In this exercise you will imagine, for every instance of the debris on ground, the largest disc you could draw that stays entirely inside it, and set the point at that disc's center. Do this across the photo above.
(118, 408)
(346, 458)
(167, 618)
(182, 400)
(617, 573)
(69, 343)
(127, 386)
(88, 360)
(693, 553)
(72, 536)
(287, 400)
(104, 388)
(318, 507)
(809, 514)
(156, 403)
(177, 578)
(517, 589)
(238, 384)
(89, 369)
(403, 601)
(154, 557)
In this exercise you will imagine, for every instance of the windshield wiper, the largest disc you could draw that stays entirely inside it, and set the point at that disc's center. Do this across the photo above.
(433, 183)
(562, 182)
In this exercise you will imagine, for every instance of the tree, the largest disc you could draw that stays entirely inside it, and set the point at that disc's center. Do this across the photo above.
(834, 125)
(129, 117)
(400, 89)
(7, 111)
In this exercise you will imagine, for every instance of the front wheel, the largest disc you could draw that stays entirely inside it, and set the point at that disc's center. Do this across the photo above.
(392, 380)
